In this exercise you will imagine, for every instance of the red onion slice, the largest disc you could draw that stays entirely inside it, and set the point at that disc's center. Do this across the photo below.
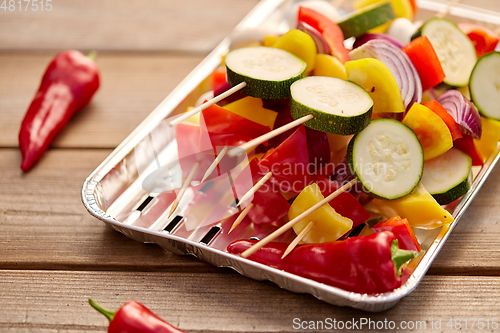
(463, 111)
(368, 37)
(321, 44)
(398, 63)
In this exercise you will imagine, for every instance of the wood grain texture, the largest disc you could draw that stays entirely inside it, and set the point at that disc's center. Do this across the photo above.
(218, 302)
(131, 87)
(189, 25)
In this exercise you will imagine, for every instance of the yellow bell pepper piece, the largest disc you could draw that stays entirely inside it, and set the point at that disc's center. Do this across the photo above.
(402, 8)
(431, 130)
(328, 224)
(269, 41)
(194, 119)
(251, 108)
(300, 44)
(418, 207)
(327, 65)
(489, 137)
(378, 81)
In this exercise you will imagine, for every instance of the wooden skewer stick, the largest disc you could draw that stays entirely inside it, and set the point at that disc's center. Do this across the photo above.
(296, 220)
(214, 164)
(255, 188)
(205, 105)
(447, 10)
(186, 184)
(240, 218)
(297, 239)
(263, 138)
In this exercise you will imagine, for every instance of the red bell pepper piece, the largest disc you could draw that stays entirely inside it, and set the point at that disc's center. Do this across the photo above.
(344, 204)
(329, 29)
(448, 119)
(69, 82)
(367, 264)
(414, 7)
(484, 40)
(218, 78)
(424, 58)
(466, 144)
(269, 204)
(134, 317)
(289, 163)
(402, 230)
(221, 127)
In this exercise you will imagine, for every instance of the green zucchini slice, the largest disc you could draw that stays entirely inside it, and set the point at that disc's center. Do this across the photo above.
(360, 21)
(338, 106)
(485, 85)
(387, 158)
(267, 71)
(448, 176)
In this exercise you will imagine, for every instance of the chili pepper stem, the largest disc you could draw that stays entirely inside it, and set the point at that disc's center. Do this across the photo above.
(109, 314)
(399, 256)
(92, 55)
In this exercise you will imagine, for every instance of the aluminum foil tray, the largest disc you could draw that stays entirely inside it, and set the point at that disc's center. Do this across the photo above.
(120, 193)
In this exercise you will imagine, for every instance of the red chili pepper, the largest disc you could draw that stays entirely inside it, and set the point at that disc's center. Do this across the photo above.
(69, 82)
(425, 59)
(329, 29)
(367, 264)
(448, 119)
(134, 317)
(402, 230)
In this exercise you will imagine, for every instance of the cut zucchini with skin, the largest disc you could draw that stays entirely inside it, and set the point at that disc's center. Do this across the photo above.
(387, 158)
(268, 72)
(338, 106)
(372, 16)
(485, 85)
(448, 176)
(454, 49)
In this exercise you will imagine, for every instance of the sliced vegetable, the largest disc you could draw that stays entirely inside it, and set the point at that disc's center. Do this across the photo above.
(484, 40)
(464, 113)
(454, 50)
(424, 58)
(378, 81)
(327, 65)
(218, 78)
(328, 224)
(300, 44)
(387, 158)
(366, 18)
(368, 37)
(485, 85)
(401, 29)
(329, 29)
(401, 228)
(338, 106)
(431, 130)
(322, 46)
(402, 8)
(419, 207)
(268, 72)
(398, 63)
(448, 176)
(251, 108)
(466, 144)
(450, 122)
(489, 138)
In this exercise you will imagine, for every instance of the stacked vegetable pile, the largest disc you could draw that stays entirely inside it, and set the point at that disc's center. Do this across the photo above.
(393, 115)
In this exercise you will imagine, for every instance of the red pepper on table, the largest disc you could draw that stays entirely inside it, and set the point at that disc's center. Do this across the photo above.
(69, 82)
(134, 317)
(367, 264)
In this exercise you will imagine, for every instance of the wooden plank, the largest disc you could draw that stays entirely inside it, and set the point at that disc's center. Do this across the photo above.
(43, 224)
(220, 302)
(131, 87)
(191, 25)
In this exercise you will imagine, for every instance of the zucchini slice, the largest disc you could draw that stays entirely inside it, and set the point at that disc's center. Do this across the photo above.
(484, 85)
(448, 176)
(454, 49)
(372, 16)
(267, 71)
(338, 106)
(387, 158)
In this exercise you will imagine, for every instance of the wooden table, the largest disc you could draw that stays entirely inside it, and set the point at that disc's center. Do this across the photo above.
(53, 255)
